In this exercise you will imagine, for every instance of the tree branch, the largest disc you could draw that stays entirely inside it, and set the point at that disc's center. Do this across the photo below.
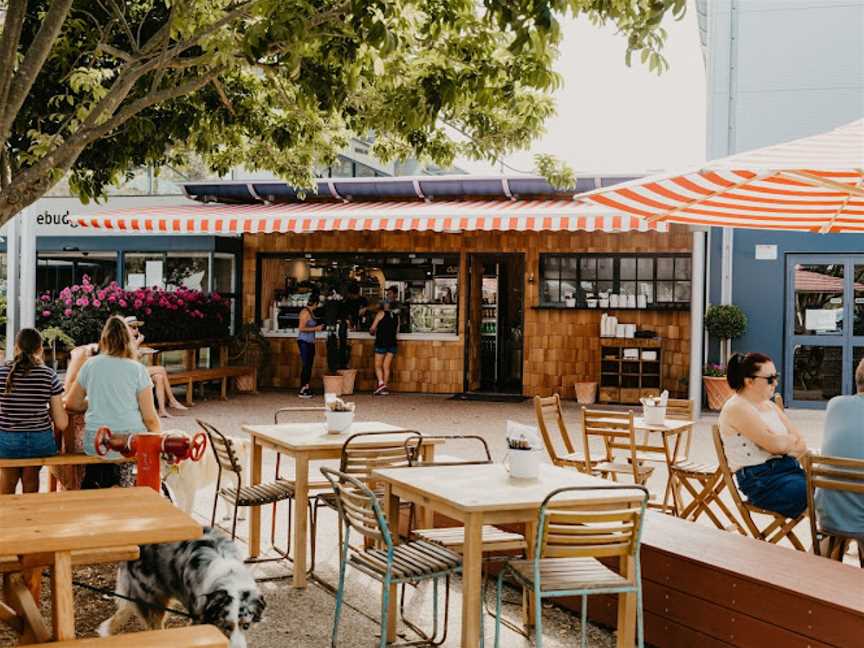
(12, 26)
(35, 58)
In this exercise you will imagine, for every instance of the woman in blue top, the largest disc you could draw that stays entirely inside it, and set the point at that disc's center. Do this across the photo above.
(30, 398)
(112, 386)
(306, 343)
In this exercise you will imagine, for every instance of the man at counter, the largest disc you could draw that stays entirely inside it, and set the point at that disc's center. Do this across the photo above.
(355, 306)
(384, 328)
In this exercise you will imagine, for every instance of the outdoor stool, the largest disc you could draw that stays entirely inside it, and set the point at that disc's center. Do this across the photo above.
(245, 496)
(548, 413)
(453, 538)
(833, 474)
(780, 527)
(704, 483)
(390, 564)
(569, 542)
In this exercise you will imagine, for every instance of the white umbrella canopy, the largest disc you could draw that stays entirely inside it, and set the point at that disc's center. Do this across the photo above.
(814, 184)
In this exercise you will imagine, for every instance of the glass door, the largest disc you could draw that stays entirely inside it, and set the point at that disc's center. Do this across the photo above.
(825, 327)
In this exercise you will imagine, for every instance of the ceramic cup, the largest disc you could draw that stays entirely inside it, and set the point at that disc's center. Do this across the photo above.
(523, 464)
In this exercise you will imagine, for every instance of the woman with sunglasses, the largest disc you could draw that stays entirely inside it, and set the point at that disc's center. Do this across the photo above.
(761, 443)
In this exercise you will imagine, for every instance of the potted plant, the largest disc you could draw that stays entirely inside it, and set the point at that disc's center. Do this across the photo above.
(251, 349)
(725, 322)
(53, 335)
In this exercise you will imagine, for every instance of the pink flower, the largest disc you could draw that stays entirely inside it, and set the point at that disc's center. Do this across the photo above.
(88, 288)
(215, 296)
(68, 312)
(84, 301)
(68, 302)
(138, 304)
(123, 303)
(46, 313)
(101, 294)
(97, 303)
(112, 298)
(76, 288)
(148, 311)
(180, 302)
(45, 297)
(85, 279)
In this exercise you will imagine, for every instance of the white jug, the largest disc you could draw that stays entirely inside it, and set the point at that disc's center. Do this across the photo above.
(523, 464)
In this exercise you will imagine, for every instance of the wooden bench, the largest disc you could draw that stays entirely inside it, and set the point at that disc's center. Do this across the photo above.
(60, 460)
(198, 636)
(190, 376)
(707, 587)
(9, 564)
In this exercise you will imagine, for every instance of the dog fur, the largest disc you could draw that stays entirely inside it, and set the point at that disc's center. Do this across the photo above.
(207, 576)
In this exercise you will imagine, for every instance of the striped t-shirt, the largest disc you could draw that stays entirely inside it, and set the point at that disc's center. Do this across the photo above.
(25, 407)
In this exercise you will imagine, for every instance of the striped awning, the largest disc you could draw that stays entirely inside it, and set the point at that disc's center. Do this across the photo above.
(443, 216)
(815, 184)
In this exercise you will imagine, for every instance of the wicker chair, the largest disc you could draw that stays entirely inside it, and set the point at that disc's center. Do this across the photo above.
(833, 474)
(391, 564)
(780, 526)
(549, 418)
(570, 540)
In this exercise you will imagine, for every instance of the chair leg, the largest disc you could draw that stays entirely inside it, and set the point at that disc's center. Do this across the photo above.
(234, 523)
(340, 593)
(499, 585)
(640, 621)
(538, 617)
(385, 607)
(584, 641)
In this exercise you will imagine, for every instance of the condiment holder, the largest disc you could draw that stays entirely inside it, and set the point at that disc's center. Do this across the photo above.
(338, 416)
(654, 408)
(523, 459)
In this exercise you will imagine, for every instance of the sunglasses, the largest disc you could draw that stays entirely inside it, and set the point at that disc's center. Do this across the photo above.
(768, 379)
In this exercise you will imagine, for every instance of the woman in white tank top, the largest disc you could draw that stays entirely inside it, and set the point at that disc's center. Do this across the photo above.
(762, 445)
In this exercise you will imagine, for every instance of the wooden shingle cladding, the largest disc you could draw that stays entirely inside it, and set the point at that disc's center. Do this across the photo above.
(561, 347)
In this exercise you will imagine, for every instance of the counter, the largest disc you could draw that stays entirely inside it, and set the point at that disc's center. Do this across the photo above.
(363, 335)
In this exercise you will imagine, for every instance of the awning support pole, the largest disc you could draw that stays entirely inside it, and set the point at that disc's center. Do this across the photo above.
(697, 312)
(27, 299)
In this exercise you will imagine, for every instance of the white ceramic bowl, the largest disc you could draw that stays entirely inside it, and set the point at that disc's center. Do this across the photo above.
(338, 422)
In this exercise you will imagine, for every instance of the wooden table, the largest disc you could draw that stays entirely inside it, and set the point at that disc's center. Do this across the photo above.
(484, 494)
(37, 524)
(307, 442)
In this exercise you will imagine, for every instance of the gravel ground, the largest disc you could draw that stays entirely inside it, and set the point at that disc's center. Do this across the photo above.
(304, 618)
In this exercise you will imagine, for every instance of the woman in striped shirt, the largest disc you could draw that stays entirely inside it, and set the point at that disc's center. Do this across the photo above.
(30, 397)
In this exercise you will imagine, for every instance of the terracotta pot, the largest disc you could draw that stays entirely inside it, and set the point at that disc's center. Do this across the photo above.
(586, 393)
(718, 391)
(333, 385)
(348, 378)
(245, 383)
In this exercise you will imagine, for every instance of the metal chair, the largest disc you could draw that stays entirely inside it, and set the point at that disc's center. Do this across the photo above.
(242, 496)
(570, 539)
(780, 526)
(617, 431)
(493, 538)
(549, 417)
(392, 564)
(840, 474)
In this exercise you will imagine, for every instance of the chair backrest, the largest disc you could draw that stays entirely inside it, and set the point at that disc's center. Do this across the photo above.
(551, 422)
(609, 529)
(361, 454)
(295, 410)
(223, 449)
(680, 409)
(358, 507)
(726, 472)
(415, 458)
(830, 473)
(617, 431)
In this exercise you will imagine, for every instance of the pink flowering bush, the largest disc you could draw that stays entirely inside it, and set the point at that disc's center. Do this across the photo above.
(81, 310)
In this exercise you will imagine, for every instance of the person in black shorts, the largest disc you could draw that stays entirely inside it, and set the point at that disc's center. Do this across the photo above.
(384, 328)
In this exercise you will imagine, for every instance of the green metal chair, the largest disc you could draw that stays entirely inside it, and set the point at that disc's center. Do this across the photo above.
(570, 539)
(391, 564)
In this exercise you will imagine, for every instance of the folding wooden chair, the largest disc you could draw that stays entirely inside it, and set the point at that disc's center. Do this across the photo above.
(704, 483)
(618, 434)
(549, 418)
(780, 526)
(833, 474)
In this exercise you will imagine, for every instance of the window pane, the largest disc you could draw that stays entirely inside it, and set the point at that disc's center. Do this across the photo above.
(569, 267)
(551, 266)
(571, 289)
(604, 286)
(56, 270)
(665, 267)
(605, 267)
(187, 270)
(819, 299)
(682, 291)
(646, 268)
(551, 292)
(817, 372)
(588, 286)
(144, 271)
(628, 268)
(682, 268)
(223, 273)
(647, 288)
(627, 288)
(858, 302)
(664, 291)
(588, 268)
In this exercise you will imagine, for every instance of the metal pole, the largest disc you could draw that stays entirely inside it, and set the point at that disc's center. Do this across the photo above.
(27, 285)
(697, 312)
(12, 288)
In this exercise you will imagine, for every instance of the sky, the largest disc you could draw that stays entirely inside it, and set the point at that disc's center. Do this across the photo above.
(612, 118)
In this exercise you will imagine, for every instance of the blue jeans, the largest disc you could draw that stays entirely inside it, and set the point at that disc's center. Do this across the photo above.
(778, 485)
(27, 445)
(307, 359)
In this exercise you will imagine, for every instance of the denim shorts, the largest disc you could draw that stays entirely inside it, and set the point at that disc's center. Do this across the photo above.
(27, 445)
(778, 485)
(385, 350)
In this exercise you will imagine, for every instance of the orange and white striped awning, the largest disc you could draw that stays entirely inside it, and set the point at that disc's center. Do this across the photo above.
(443, 216)
(815, 184)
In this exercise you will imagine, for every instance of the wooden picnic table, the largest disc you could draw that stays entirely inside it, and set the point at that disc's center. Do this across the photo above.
(53, 524)
(485, 494)
(307, 442)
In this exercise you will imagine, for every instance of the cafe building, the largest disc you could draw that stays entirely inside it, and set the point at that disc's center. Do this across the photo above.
(502, 283)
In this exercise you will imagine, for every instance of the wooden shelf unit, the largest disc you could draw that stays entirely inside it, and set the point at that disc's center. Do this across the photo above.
(627, 379)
